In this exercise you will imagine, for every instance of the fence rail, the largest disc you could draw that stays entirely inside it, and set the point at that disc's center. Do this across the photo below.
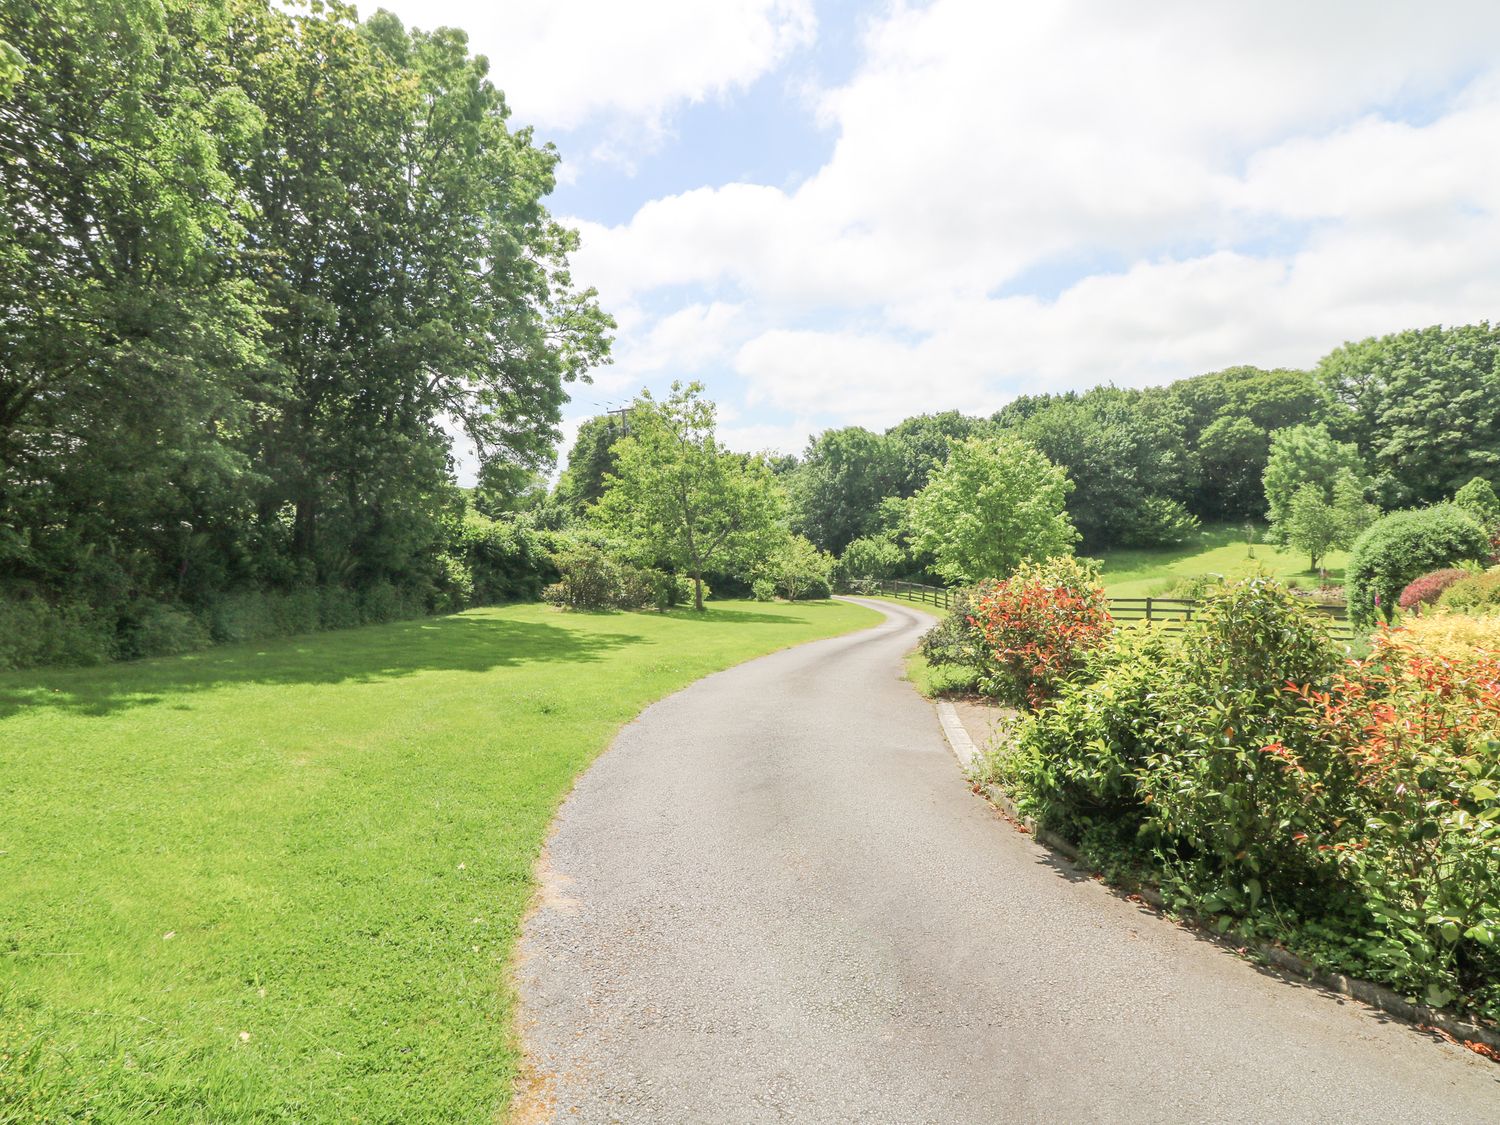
(1169, 612)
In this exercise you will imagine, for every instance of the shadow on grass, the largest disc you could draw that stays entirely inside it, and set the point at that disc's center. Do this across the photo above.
(456, 644)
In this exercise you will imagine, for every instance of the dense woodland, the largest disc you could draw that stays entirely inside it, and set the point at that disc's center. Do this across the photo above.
(257, 265)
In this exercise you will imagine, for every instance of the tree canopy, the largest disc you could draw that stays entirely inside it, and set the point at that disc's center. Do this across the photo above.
(994, 503)
(677, 496)
(258, 264)
(1423, 406)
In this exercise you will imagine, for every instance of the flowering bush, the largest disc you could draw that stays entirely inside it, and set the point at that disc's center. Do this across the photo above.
(1349, 808)
(1038, 625)
(1422, 838)
(1426, 590)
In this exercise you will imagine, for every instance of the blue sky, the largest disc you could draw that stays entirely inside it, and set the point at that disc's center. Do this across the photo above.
(840, 213)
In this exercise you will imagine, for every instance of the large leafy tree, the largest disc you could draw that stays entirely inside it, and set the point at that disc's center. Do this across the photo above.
(994, 503)
(920, 444)
(837, 490)
(129, 337)
(679, 497)
(1423, 406)
(1301, 456)
(416, 276)
(590, 461)
(1230, 416)
(1124, 451)
(258, 262)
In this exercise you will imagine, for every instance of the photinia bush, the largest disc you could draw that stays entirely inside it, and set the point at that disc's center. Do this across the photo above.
(1422, 840)
(1426, 590)
(1038, 626)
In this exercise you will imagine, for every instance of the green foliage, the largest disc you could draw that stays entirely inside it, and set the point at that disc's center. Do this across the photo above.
(1124, 451)
(678, 497)
(1038, 627)
(1403, 546)
(1315, 524)
(1479, 500)
(1078, 761)
(1423, 407)
(799, 570)
(764, 590)
(591, 578)
(256, 258)
(920, 444)
(957, 640)
(994, 504)
(869, 557)
(837, 489)
(1478, 593)
(1231, 415)
(1349, 809)
(1303, 456)
(34, 631)
(591, 460)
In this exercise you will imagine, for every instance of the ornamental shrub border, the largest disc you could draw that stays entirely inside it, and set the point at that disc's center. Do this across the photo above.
(1349, 809)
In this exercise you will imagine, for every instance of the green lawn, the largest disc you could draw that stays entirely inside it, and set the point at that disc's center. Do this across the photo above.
(282, 882)
(1214, 550)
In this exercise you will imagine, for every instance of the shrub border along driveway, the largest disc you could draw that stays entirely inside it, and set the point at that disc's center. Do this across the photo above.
(1483, 1040)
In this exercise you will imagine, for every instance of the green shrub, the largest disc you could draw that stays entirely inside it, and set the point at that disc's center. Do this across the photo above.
(156, 629)
(1230, 808)
(956, 640)
(1476, 593)
(1080, 758)
(507, 559)
(453, 585)
(1160, 522)
(381, 602)
(338, 608)
(1403, 546)
(763, 590)
(34, 632)
(1479, 500)
(875, 556)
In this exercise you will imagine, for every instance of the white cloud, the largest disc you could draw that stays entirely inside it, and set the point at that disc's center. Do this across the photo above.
(1257, 183)
(563, 63)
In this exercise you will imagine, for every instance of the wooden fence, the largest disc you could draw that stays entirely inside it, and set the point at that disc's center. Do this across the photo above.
(1169, 612)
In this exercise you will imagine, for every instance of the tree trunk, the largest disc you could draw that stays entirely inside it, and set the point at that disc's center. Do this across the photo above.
(698, 591)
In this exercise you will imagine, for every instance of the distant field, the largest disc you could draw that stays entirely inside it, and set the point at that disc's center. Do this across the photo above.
(282, 882)
(1214, 550)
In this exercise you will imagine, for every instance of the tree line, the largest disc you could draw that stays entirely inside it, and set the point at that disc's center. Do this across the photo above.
(1407, 420)
(1400, 421)
(257, 266)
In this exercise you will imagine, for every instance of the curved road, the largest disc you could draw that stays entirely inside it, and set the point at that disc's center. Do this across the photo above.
(774, 899)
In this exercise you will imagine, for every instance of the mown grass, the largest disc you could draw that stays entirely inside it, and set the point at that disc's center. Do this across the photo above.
(282, 882)
(1221, 550)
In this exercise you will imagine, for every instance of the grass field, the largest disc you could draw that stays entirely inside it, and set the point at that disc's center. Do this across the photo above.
(1214, 550)
(282, 882)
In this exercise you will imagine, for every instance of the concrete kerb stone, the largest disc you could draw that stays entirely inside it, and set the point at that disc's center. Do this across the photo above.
(1377, 996)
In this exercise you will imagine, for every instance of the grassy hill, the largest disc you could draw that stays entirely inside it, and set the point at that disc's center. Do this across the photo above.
(1221, 550)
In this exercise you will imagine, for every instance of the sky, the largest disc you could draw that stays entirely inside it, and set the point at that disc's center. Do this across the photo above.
(836, 213)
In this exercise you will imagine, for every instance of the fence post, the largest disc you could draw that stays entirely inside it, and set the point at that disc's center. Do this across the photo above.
(1148, 609)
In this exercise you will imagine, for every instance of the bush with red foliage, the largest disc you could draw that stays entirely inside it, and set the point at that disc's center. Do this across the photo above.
(1038, 626)
(1427, 589)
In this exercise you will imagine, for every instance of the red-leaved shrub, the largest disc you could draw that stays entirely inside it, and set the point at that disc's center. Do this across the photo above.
(1038, 626)
(1426, 589)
